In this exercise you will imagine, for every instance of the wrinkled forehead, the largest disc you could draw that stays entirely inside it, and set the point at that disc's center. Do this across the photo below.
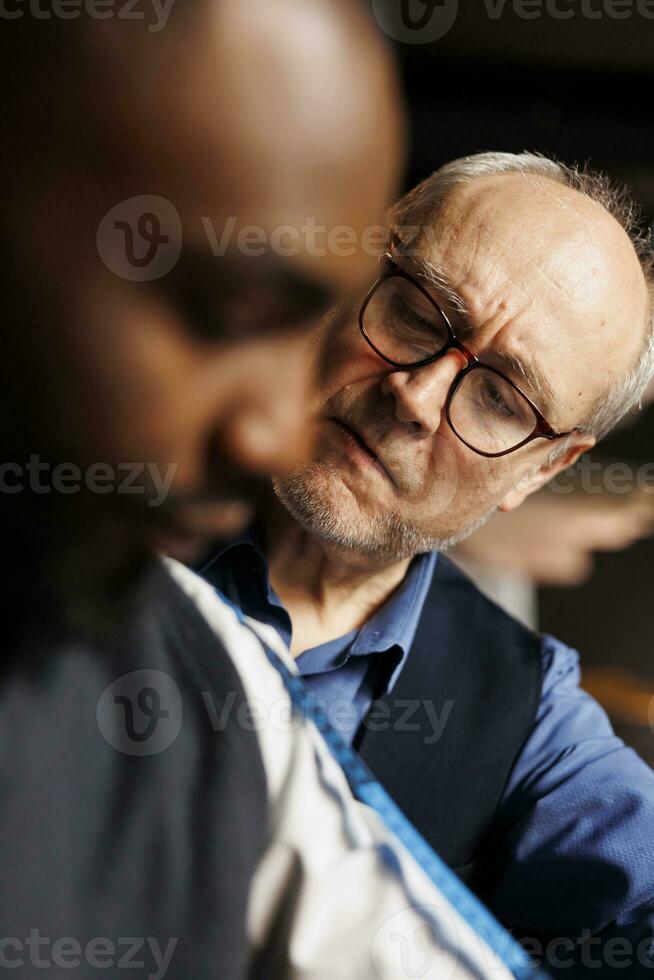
(541, 272)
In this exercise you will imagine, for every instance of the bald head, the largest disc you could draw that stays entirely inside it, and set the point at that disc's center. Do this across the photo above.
(549, 270)
(573, 230)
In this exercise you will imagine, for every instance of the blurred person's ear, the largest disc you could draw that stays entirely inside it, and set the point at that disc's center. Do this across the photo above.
(546, 471)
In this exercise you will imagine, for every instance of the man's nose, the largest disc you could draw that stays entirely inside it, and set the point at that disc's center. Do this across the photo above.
(420, 393)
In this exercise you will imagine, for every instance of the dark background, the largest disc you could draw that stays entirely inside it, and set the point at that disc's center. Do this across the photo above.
(581, 89)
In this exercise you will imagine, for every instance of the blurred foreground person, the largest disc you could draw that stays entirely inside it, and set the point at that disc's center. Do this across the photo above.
(509, 328)
(135, 304)
(162, 809)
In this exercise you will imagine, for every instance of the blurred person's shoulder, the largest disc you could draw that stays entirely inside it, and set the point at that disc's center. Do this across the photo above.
(125, 774)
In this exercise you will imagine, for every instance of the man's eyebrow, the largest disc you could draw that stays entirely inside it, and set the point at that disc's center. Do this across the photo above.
(537, 385)
(438, 279)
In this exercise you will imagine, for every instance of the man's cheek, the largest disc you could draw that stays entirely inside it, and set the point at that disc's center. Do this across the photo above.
(463, 482)
(495, 477)
(446, 476)
(485, 483)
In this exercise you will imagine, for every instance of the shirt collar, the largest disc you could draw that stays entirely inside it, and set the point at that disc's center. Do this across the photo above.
(392, 626)
(224, 558)
(246, 537)
(396, 623)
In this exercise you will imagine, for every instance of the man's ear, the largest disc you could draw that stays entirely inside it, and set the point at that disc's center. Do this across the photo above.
(546, 472)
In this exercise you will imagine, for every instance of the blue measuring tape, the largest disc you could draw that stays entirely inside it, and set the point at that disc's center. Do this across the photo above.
(367, 789)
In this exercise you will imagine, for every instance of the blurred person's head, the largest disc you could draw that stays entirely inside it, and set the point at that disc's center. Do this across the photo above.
(536, 270)
(177, 393)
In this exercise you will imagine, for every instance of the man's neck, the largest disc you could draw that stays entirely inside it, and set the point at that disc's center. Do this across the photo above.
(326, 591)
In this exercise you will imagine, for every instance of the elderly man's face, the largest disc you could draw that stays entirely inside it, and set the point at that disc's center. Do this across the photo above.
(548, 280)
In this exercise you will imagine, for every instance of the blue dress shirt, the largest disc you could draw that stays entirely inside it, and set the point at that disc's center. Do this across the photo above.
(344, 675)
(578, 808)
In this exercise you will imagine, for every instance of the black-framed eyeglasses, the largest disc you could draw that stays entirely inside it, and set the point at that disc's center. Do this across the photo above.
(407, 328)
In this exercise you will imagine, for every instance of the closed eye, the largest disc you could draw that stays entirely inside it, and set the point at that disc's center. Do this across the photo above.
(496, 401)
(411, 318)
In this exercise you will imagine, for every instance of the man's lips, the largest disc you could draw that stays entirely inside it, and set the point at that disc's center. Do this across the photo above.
(358, 437)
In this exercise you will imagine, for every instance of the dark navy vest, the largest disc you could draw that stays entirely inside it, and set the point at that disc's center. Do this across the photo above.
(444, 740)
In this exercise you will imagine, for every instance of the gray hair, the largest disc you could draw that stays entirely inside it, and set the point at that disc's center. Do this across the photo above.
(417, 209)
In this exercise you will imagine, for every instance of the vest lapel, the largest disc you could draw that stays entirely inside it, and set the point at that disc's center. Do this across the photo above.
(444, 740)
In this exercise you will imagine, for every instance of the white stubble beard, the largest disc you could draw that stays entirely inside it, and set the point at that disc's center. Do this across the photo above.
(308, 495)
